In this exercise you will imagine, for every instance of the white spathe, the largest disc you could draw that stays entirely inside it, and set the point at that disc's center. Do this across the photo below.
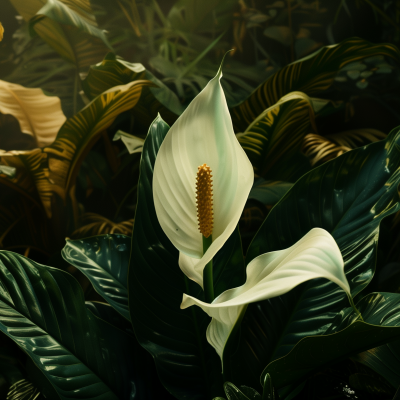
(316, 255)
(202, 134)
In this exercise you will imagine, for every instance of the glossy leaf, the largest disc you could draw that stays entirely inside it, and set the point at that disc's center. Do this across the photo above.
(104, 260)
(273, 140)
(312, 75)
(54, 168)
(384, 360)
(43, 312)
(187, 365)
(345, 337)
(38, 115)
(348, 197)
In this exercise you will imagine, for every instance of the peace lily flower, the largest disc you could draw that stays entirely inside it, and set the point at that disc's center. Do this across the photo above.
(316, 255)
(201, 157)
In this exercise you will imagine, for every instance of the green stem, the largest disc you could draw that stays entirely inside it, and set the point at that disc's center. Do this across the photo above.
(208, 282)
(355, 308)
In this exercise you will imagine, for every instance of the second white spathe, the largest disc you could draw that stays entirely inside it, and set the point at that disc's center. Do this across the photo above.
(316, 255)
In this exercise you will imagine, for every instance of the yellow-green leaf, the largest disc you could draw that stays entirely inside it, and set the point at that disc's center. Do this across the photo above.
(38, 115)
(274, 139)
(54, 168)
(1, 31)
(68, 26)
(113, 71)
(312, 75)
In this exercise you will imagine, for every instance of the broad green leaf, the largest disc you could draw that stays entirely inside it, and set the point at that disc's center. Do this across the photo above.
(42, 310)
(273, 140)
(348, 197)
(268, 192)
(38, 115)
(54, 168)
(345, 337)
(187, 365)
(104, 260)
(68, 26)
(384, 360)
(113, 71)
(312, 75)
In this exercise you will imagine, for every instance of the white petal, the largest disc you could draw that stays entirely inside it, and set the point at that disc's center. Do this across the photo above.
(316, 255)
(202, 134)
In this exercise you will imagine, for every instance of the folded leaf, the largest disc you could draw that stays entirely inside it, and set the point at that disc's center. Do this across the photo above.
(38, 115)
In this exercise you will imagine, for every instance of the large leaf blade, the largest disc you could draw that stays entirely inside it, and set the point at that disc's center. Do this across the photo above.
(104, 260)
(38, 115)
(348, 197)
(346, 336)
(42, 309)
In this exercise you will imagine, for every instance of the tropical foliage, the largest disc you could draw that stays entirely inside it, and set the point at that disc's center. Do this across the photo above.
(107, 288)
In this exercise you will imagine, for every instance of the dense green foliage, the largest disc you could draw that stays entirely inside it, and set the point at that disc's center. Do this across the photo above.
(88, 92)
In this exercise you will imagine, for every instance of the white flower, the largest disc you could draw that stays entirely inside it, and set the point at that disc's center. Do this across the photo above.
(203, 134)
(316, 255)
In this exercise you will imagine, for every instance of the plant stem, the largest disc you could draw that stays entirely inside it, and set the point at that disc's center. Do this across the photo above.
(355, 308)
(208, 282)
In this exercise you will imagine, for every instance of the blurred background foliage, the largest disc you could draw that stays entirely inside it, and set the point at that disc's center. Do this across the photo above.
(163, 53)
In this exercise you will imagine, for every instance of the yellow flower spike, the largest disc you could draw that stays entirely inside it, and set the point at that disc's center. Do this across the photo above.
(203, 134)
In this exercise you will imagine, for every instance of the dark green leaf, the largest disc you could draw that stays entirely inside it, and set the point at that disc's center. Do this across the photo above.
(268, 192)
(345, 337)
(348, 197)
(43, 311)
(312, 75)
(385, 360)
(104, 260)
(244, 393)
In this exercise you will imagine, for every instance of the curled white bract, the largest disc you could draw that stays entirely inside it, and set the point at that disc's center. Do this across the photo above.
(316, 255)
(203, 134)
